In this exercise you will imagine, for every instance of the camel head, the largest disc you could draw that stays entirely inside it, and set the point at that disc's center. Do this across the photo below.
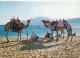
(47, 21)
(43, 21)
(28, 21)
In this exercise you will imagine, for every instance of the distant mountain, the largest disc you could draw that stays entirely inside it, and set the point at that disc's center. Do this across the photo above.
(36, 20)
(74, 20)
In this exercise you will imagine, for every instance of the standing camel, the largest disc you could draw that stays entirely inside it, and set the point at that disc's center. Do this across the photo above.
(47, 24)
(22, 26)
(55, 27)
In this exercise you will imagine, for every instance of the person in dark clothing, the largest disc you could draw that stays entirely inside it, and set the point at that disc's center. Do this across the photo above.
(27, 34)
(47, 35)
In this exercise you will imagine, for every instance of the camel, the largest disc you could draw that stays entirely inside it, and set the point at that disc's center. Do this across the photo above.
(22, 26)
(55, 27)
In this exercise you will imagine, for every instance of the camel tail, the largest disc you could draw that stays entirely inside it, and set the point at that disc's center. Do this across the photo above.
(71, 30)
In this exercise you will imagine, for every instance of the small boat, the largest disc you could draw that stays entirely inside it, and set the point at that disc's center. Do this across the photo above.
(39, 26)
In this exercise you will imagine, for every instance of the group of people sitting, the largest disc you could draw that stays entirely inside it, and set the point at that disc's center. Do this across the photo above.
(35, 37)
(15, 24)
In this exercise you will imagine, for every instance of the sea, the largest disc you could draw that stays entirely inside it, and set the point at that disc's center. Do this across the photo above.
(39, 30)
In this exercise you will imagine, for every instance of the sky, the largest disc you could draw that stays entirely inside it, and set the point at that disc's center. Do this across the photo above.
(31, 9)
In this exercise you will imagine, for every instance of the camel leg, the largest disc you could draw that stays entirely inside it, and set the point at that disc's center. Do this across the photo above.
(57, 35)
(20, 36)
(71, 35)
(7, 36)
(52, 33)
(17, 36)
(68, 30)
(68, 33)
(63, 34)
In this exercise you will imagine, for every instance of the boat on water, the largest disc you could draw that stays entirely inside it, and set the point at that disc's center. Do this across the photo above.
(39, 26)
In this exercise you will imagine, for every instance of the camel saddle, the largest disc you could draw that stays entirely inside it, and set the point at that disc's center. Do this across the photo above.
(15, 25)
(60, 23)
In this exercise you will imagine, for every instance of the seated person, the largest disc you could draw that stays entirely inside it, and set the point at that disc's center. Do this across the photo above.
(47, 35)
(51, 38)
(34, 36)
(74, 34)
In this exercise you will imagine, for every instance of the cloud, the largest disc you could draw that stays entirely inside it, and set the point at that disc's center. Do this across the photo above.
(26, 10)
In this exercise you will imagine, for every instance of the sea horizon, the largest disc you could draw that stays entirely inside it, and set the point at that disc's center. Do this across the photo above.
(39, 31)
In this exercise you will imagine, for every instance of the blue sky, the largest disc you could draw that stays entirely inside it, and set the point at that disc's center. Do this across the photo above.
(28, 9)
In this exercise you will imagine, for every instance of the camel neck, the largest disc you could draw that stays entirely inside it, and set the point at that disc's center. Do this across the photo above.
(26, 26)
(45, 25)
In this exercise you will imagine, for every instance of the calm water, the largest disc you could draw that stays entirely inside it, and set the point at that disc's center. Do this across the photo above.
(40, 31)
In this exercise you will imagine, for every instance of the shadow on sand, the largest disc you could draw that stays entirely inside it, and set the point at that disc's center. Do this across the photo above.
(32, 45)
(8, 44)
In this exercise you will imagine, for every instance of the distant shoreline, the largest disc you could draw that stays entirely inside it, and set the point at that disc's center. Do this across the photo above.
(29, 36)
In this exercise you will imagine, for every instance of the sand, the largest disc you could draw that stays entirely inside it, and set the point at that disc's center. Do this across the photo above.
(40, 49)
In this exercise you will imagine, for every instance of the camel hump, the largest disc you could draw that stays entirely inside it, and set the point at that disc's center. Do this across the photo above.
(64, 21)
(60, 23)
(15, 24)
(52, 23)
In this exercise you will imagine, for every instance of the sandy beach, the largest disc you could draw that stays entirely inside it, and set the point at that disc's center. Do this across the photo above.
(40, 49)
